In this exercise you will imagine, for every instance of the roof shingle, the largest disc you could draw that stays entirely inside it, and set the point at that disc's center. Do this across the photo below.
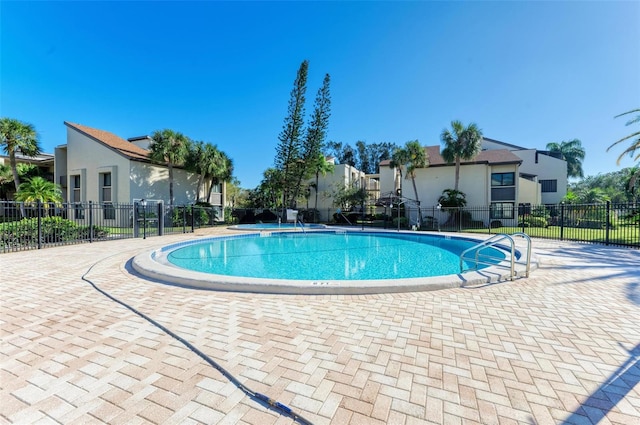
(493, 157)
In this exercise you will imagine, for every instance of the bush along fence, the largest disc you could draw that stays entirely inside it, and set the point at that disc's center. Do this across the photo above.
(606, 223)
(25, 226)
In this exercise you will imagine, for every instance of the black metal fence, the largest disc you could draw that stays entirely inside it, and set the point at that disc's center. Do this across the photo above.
(606, 223)
(25, 226)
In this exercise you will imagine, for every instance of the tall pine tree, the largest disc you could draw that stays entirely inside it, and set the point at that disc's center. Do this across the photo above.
(315, 135)
(289, 150)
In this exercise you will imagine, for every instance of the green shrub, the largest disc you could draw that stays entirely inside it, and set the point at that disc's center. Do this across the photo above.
(591, 224)
(53, 230)
(201, 216)
(404, 222)
(533, 221)
(495, 224)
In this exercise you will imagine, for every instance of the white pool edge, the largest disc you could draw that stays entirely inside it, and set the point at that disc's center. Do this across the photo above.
(151, 264)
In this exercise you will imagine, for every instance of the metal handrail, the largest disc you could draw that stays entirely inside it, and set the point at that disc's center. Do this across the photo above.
(528, 240)
(301, 225)
(493, 241)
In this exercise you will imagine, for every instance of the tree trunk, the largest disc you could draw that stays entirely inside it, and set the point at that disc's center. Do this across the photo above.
(16, 177)
(14, 168)
(213, 181)
(170, 184)
(200, 183)
(316, 189)
(457, 172)
(415, 192)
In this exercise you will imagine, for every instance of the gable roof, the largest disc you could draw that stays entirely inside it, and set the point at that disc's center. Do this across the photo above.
(508, 145)
(113, 142)
(490, 157)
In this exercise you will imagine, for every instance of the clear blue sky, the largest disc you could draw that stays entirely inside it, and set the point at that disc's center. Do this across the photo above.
(527, 73)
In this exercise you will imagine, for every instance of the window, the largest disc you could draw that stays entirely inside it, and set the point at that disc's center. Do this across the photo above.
(105, 196)
(502, 210)
(503, 193)
(502, 179)
(549, 185)
(76, 197)
(503, 187)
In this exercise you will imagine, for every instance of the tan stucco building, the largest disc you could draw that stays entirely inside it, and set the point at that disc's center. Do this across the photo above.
(98, 166)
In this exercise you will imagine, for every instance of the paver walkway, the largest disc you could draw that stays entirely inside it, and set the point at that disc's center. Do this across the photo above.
(562, 347)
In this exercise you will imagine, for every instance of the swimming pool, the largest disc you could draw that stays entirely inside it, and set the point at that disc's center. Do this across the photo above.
(317, 262)
(277, 226)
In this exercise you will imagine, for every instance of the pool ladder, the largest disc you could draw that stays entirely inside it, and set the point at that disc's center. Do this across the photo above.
(478, 258)
(301, 225)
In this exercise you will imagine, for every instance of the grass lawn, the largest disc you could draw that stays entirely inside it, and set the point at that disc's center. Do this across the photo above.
(623, 234)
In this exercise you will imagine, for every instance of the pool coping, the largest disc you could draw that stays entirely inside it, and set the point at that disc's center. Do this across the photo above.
(153, 265)
(308, 226)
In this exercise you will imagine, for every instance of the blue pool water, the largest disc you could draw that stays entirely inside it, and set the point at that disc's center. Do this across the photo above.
(326, 255)
(276, 226)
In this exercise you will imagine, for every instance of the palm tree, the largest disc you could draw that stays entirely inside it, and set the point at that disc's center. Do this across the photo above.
(593, 196)
(169, 147)
(202, 159)
(321, 166)
(221, 171)
(17, 136)
(572, 152)
(635, 144)
(460, 143)
(6, 181)
(37, 189)
(399, 159)
(416, 158)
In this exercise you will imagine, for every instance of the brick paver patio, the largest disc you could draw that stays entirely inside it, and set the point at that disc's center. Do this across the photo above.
(562, 347)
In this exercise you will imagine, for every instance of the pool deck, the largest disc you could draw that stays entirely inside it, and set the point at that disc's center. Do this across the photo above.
(561, 347)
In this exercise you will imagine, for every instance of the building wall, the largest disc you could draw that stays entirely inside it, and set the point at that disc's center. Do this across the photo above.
(60, 170)
(151, 182)
(343, 175)
(475, 182)
(88, 158)
(546, 168)
(529, 192)
(130, 180)
(432, 181)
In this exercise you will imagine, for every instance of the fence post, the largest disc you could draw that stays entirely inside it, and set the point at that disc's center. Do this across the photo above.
(136, 223)
(562, 221)
(90, 221)
(160, 207)
(193, 214)
(608, 217)
(39, 206)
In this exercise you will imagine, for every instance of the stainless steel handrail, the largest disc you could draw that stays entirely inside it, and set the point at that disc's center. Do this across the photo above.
(528, 260)
(493, 241)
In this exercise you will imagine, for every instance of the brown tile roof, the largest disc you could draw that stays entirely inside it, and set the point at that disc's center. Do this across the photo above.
(492, 157)
(110, 140)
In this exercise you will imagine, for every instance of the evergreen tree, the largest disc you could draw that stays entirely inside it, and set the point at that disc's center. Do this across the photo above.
(289, 150)
(343, 154)
(316, 134)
